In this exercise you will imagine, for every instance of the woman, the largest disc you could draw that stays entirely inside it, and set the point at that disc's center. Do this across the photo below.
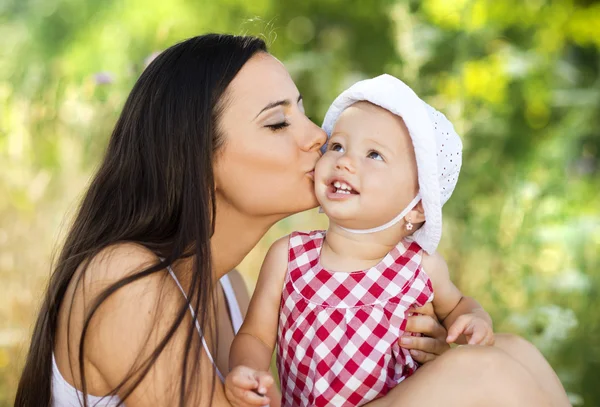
(212, 148)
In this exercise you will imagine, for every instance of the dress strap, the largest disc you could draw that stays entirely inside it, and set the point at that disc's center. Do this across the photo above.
(204, 344)
(234, 307)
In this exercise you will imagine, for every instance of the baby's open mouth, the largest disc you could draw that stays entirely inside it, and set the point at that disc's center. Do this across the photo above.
(341, 187)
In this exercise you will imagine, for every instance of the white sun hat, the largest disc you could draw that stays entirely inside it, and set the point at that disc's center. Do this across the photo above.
(438, 148)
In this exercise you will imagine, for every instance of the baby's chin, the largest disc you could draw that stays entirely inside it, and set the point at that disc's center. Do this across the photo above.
(338, 217)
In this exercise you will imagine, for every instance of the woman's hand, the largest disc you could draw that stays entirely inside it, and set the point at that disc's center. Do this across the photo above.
(432, 343)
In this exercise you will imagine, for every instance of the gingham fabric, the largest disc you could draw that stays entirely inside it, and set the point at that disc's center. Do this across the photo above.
(338, 332)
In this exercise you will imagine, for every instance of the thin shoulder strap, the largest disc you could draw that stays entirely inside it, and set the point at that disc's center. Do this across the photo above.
(234, 307)
(204, 344)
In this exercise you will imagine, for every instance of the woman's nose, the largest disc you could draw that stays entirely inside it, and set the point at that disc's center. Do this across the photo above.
(314, 138)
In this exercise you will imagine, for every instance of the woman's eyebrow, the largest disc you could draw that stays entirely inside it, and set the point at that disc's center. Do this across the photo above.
(285, 102)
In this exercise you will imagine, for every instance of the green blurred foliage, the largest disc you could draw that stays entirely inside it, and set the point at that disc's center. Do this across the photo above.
(519, 79)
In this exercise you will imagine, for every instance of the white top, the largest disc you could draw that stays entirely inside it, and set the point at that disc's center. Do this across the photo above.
(65, 395)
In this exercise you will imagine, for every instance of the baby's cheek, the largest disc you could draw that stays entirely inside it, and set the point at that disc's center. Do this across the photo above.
(322, 170)
(400, 193)
(384, 194)
(320, 192)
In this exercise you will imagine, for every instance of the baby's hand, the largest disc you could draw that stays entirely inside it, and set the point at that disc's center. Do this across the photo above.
(247, 387)
(477, 329)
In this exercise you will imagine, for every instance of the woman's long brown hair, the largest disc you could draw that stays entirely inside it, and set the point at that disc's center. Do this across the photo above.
(154, 187)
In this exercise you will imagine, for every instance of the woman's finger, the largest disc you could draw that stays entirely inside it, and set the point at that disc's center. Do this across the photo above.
(422, 357)
(426, 309)
(426, 325)
(424, 344)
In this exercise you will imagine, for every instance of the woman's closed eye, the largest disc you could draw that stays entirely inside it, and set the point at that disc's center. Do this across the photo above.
(278, 126)
(375, 155)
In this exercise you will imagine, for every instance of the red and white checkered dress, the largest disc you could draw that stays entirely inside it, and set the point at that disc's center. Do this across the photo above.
(338, 332)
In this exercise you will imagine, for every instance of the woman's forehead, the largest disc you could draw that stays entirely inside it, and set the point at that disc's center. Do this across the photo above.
(262, 80)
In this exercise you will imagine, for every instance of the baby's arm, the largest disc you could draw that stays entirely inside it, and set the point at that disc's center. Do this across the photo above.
(252, 348)
(461, 316)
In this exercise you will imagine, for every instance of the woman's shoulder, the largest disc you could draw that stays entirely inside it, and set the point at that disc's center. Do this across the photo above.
(114, 283)
(119, 269)
(118, 261)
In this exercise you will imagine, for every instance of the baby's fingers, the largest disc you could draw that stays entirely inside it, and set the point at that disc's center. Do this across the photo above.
(478, 336)
(489, 339)
(243, 377)
(265, 381)
(250, 397)
(241, 387)
(458, 328)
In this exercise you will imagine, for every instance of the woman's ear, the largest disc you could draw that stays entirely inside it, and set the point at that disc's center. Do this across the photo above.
(417, 214)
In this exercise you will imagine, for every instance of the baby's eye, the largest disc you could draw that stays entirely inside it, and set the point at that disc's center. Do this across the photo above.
(375, 155)
(336, 147)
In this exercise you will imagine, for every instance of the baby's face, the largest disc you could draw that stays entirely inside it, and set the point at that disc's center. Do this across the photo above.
(368, 173)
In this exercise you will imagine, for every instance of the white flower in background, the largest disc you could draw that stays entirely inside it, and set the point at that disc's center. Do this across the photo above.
(571, 280)
(550, 325)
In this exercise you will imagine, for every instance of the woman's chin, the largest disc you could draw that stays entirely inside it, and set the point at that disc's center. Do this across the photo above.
(302, 205)
(292, 208)
(310, 204)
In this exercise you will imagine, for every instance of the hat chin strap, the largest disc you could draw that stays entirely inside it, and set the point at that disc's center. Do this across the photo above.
(391, 223)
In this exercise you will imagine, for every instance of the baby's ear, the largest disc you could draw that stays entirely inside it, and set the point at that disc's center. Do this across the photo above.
(417, 214)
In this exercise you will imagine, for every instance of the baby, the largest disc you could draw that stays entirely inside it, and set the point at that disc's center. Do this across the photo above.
(335, 302)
